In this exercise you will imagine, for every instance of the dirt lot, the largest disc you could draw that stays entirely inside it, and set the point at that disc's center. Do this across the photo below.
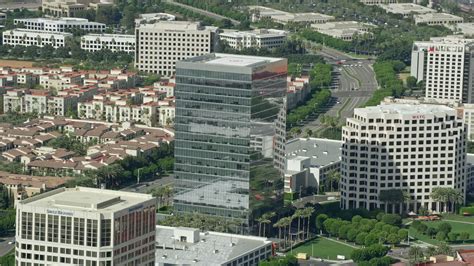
(15, 63)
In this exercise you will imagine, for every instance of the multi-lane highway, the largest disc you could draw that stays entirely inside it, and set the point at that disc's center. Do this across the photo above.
(353, 84)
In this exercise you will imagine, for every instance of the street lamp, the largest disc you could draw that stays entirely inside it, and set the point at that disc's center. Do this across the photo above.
(138, 176)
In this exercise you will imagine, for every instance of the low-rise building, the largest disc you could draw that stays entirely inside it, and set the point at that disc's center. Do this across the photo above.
(433, 19)
(308, 162)
(407, 9)
(259, 38)
(3, 17)
(189, 246)
(297, 92)
(166, 85)
(378, 2)
(283, 17)
(24, 37)
(25, 186)
(86, 226)
(344, 30)
(113, 42)
(59, 24)
(467, 29)
(152, 18)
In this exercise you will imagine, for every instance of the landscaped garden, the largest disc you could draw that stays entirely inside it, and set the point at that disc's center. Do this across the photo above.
(452, 228)
(324, 248)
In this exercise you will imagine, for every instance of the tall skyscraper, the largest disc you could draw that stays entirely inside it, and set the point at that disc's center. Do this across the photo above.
(159, 45)
(402, 150)
(446, 65)
(86, 226)
(230, 128)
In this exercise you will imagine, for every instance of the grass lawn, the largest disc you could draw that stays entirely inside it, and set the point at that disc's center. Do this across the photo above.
(457, 227)
(324, 248)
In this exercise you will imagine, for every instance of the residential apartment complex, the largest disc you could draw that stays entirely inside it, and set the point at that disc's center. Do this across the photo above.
(161, 44)
(24, 37)
(113, 42)
(260, 38)
(86, 226)
(409, 148)
(344, 30)
(438, 19)
(446, 65)
(224, 101)
(192, 247)
(59, 24)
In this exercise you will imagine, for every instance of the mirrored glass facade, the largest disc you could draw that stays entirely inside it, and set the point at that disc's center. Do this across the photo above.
(230, 134)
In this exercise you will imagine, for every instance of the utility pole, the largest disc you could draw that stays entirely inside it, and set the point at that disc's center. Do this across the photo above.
(138, 176)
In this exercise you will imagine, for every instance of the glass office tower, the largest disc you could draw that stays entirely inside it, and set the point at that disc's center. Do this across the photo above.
(230, 134)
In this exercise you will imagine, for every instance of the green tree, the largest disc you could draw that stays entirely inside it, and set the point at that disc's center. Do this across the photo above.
(441, 236)
(415, 254)
(320, 219)
(31, 51)
(445, 227)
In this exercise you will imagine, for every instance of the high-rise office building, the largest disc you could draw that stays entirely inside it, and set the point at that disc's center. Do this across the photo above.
(86, 226)
(446, 65)
(160, 44)
(230, 126)
(407, 149)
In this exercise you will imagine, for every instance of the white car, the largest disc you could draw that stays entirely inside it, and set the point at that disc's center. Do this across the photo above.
(11, 242)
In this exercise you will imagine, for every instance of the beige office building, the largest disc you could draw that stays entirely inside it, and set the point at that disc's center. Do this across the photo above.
(161, 44)
(86, 226)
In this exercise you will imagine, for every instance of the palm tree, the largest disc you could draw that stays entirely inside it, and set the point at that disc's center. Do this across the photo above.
(416, 254)
(455, 197)
(333, 176)
(260, 220)
(268, 219)
(279, 225)
(307, 213)
(298, 215)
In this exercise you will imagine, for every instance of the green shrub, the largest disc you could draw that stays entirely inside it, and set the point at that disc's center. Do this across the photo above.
(469, 210)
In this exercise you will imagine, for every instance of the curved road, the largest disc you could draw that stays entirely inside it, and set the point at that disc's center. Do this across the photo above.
(204, 12)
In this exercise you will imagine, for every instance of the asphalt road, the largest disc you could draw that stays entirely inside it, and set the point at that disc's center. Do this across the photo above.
(147, 186)
(353, 84)
(4, 246)
(204, 12)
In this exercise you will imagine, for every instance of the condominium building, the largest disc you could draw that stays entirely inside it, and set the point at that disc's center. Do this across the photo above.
(378, 2)
(113, 42)
(403, 148)
(161, 44)
(86, 226)
(446, 65)
(24, 37)
(433, 19)
(222, 102)
(59, 24)
(344, 30)
(260, 38)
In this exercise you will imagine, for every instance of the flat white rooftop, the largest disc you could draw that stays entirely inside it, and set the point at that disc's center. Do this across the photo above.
(465, 28)
(406, 8)
(212, 248)
(436, 17)
(405, 109)
(86, 199)
(321, 152)
(237, 60)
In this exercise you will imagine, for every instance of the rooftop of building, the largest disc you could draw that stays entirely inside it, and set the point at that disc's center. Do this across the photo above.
(32, 181)
(21, 30)
(176, 26)
(208, 248)
(62, 20)
(107, 35)
(437, 16)
(450, 39)
(232, 60)
(320, 151)
(404, 109)
(256, 32)
(87, 199)
(342, 25)
(406, 8)
(465, 28)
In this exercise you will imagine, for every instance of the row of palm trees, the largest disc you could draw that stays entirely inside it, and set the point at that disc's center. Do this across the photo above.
(285, 225)
(450, 197)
